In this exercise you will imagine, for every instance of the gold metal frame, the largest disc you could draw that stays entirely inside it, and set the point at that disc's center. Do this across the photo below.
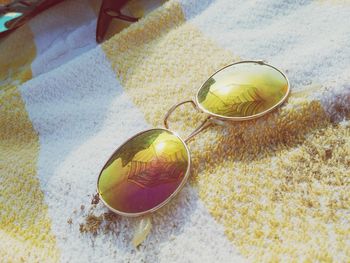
(205, 124)
(261, 62)
(211, 119)
(178, 189)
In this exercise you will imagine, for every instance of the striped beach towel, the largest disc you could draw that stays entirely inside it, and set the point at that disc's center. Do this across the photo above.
(276, 189)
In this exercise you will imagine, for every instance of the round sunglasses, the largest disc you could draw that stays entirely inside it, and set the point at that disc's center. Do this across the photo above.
(151, 167)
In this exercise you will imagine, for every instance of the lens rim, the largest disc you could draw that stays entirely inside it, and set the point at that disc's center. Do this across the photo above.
(166, 201)
(225, 118)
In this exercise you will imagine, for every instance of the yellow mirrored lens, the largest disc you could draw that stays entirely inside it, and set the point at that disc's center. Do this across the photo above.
(245, 89)
(144, 172)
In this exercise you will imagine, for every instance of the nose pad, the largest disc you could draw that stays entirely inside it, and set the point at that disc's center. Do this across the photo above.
(220, 122)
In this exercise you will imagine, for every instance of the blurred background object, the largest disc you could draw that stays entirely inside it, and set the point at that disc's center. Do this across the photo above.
(14, 13)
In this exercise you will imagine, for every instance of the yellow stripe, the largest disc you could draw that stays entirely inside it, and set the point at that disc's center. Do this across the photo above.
(24, 216)
(252, 175)
(25, 227)
(156, 60)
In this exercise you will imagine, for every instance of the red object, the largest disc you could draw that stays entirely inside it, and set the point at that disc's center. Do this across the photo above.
(28, 8)
(110, 9)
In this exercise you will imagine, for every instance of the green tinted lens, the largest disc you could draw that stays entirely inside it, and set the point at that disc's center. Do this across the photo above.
(6, 19)
(144, 172)
(243, 90)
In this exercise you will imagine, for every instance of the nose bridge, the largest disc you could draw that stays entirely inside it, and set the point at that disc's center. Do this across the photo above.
(173, 108)
(205, 124)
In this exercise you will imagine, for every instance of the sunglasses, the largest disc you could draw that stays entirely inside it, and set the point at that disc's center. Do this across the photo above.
(151, 168)
(17, 12)
(110, 9)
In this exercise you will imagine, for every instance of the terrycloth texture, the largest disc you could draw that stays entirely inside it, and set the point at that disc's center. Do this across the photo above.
(274, 189)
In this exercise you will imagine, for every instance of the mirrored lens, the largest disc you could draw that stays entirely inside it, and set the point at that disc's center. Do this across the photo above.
(245, 89)
(144, 172)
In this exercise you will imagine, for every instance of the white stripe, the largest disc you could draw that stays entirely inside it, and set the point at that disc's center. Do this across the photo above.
(61, 33)
(81, 115)
(194, 8)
